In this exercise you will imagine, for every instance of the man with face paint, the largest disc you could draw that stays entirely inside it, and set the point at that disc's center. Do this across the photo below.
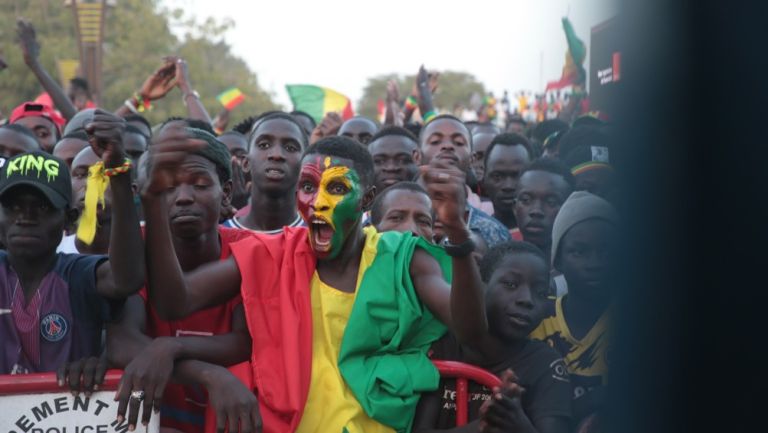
(318, 361)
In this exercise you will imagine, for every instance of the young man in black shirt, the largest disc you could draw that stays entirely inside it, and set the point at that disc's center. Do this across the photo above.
(516, 275)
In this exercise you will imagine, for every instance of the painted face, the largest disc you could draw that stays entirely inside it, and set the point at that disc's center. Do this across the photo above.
(329, 198)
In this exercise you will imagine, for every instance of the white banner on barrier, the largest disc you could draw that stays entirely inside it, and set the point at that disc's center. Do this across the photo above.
(63, 413)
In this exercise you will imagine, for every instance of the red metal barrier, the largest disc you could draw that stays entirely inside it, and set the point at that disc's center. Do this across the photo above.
(463, 373)
(46, 382)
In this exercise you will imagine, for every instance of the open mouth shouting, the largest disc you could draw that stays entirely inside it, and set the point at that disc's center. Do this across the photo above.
(322, 234)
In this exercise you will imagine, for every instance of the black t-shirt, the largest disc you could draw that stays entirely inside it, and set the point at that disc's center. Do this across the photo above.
(540, 370)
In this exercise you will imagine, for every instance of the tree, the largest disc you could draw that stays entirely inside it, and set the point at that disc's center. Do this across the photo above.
(453, 88)
(137, 36)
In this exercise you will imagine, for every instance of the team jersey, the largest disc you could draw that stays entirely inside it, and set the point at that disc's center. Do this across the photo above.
(586, 359)
(184, 406)
(234, 223)
(61, 322)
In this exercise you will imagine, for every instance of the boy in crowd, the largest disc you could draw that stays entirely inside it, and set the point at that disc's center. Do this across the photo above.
(507, 157)
(143, 343)
(42, 120)
(542, 188)
(300, 293)
(276, 144)
(516, 275)
(404, 207)
(446, 139)
(396, 156)
(359, 128)
(584, 247)
(16, 139)
(70, 145)
(54, 305)
(480, 143)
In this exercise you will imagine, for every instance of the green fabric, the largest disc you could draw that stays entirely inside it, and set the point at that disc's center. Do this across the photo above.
(307, 98)
(576, 48)
(383, 355)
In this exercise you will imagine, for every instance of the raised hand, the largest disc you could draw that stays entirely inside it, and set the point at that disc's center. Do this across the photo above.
(30, 48)
(168, 150)
(393, 91)
(105, 132)
(147, 374)
(85, 374)
(445, 184)
(182, 74)
(160, 82)
(241, 188)
(329, 126)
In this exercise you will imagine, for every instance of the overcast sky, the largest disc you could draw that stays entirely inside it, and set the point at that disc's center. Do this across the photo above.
(506, 44)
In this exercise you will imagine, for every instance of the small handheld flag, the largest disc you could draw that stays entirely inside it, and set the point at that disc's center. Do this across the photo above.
(231, 98)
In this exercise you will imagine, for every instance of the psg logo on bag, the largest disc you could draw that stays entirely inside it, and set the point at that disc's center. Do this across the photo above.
(53, 327)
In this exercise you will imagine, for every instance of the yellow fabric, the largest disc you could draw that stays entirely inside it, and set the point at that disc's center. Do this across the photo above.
(331, 407)
(95, 187)
(587, 357)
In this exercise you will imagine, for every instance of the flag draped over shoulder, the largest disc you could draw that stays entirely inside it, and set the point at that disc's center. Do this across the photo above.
(573, 71)
(316, 101)
(383, 352)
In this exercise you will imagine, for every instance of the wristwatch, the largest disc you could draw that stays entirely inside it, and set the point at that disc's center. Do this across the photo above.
(461, 250)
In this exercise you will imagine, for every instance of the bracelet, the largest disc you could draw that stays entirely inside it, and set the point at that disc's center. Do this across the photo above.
(109, 172)
(188, 94)
(411, 102)
(142, 104)
(429, 115)
(128, 103)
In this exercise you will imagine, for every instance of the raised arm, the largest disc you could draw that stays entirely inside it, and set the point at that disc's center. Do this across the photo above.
(392, 114)
(155, 87)
(123, 274)
(31, 50)
(174, 294)
(195, 108)
(426, 84)
(461, 305)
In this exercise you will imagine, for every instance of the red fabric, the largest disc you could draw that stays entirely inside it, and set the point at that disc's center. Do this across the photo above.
(276, 276)
(188, 402)
(516, 234)
(47, 112)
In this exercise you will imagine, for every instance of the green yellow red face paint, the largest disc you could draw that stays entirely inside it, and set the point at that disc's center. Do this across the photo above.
(329, 199)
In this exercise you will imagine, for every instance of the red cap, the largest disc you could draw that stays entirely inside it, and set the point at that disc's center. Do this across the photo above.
(34, 109)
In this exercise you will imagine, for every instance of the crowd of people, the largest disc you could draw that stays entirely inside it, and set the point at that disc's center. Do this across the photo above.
(288, 275)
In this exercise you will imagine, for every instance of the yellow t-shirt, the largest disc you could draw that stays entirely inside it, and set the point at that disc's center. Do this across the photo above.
(331, 406)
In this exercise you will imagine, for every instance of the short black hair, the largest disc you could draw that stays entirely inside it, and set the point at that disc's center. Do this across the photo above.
(451, 117)
(272, 115)
(553, 166)
(414, 128)
(141, 119)
(546, 128)
(79, 82)
(304, 114)
(584, 135)
(377, 213)
(344, 147)
(245, 125)
(21, 129)
(508, 139)
(78, 133)
(394, 130)
(496, 254)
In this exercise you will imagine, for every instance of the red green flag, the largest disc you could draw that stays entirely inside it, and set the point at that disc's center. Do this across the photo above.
(317, 101)
(231, 98)
(573, 71)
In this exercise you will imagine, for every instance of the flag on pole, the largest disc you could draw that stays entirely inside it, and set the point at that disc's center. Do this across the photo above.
(573, 71)
(317, 101)
(231, 98)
